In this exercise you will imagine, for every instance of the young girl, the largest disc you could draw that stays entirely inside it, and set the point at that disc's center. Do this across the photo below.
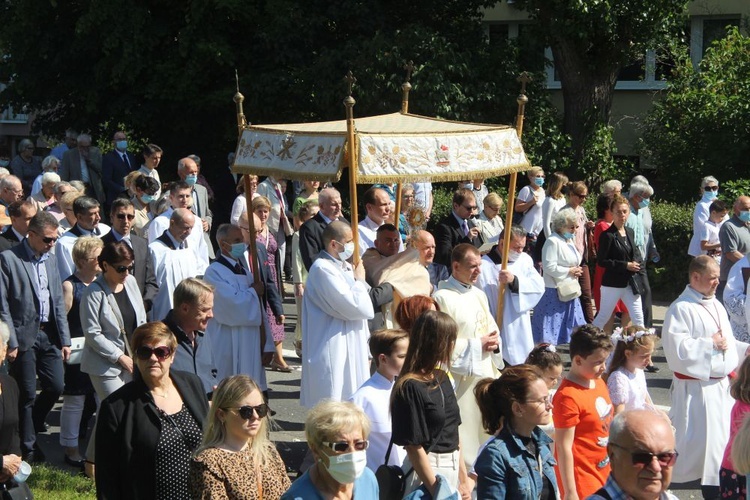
(545, 357)
(626, 380)
(731, 483)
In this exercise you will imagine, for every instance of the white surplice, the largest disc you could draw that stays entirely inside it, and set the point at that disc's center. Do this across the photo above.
(701, 408)
(516, 329)
(335, 310)
(234, 331)
(170, 267)
(195, 240)
(468, 306)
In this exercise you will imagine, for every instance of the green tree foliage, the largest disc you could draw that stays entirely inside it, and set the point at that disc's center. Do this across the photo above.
(590, 41)
(701, 125)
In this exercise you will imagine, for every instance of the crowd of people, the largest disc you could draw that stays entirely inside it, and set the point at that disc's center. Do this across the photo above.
(420, 349)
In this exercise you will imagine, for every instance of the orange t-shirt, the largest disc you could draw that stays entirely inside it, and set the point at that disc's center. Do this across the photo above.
(590, 411)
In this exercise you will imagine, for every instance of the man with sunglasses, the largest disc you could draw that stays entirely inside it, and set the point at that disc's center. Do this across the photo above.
(457, 227)
(32, 305)
(122, 215)
(641, 452)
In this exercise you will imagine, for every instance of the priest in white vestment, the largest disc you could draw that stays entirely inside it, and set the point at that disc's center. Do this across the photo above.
(181, 196)
(701, 351)
(172, 261)
(524, 289)
(235, 329)
(335, 309)
(474, 355)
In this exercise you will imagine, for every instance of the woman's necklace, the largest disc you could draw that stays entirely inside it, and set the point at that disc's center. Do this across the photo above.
(166, 394)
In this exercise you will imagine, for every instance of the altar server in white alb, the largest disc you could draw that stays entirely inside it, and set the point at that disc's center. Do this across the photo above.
(701, 351)
(173, 262)
(525, 288)
(474, 356)
(235, 330)
(335, 310)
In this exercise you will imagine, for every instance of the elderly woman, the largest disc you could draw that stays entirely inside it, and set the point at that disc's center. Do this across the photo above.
(239, 206)
(237, 458)
(528, 207)
(577, 194)
(46, 196)
(517, 463)
(424, 408)
(621, 261)
(554, 319)
(10, 441)
(709, 190)
(25, 165)
(148, 430)
(49, 164)
(78, 388)
(337, 433)
(490, 222)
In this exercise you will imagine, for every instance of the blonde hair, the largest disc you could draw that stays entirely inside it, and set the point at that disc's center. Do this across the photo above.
(261, 202)
(68, 198)
(533, 171)
(329, 418)
(741, 448)
(631, 339)
(493, 200)
(83, 247)
(229, 394)
(129, 180)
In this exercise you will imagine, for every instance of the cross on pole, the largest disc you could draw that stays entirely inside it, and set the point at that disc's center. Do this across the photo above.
(523, 79)
(409, 67)
(350, 79)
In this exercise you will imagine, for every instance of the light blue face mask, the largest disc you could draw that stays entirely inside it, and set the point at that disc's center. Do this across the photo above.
(539, 181)
(745, 216)
(4, 163)
(644, 203)
(238, 250)
(710, 195)
(148, 198)
(191, 179)
(568, 236)
(121, 145)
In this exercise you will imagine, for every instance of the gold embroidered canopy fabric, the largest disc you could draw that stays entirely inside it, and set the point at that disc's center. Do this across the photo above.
(390, 148)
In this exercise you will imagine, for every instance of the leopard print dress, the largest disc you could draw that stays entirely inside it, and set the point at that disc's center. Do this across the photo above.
(217, 474)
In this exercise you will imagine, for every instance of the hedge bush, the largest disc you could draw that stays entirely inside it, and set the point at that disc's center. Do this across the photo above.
(673, 228)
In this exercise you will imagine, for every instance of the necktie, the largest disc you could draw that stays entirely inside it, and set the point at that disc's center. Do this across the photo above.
(465, 227)
(238, 269)
(183, 245)
(125, 160)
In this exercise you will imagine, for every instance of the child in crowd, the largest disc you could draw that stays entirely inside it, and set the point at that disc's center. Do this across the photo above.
(306, 211)
(625, 378)
(710, 237)
(388, 349)
(732, 484)
(545, 357)
(582, 413)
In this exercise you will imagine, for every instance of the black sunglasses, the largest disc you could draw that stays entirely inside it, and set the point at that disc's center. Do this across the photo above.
(710, 188)
(342, 446)
(122, 269)
(46, 241)
(644, 458)
(162, 352)
(124, 216)
(246, 412)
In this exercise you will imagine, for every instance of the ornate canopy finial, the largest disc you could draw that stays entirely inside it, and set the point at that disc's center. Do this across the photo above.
(409, 67)
(523, 79)
(350, 80)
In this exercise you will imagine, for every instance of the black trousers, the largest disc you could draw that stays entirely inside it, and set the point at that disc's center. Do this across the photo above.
(44, 359)
(646, 298)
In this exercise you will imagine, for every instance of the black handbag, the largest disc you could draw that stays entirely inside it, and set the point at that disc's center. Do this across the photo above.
(635, 284)
(13, 490)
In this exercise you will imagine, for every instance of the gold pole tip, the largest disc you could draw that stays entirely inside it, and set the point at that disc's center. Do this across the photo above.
(238, 97)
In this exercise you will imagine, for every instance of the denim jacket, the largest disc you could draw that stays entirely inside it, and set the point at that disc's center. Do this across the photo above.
(506, 469)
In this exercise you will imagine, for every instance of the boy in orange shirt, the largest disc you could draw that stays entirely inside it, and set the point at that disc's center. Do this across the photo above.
(582, 413)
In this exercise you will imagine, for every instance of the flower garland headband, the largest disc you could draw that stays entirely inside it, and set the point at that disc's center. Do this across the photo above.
(619, 335)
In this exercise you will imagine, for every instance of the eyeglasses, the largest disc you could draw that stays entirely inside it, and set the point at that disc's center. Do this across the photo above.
(124, 216)
(122, 269)
(710, 188)
(46, 240)
(644, 458)
(343, 446)
(144, 352)
(246, 412)
(546, 401)
(470, 208)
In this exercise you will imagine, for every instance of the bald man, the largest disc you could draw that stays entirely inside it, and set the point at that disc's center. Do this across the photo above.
(425, 243)
(734, 237)
(173, 260)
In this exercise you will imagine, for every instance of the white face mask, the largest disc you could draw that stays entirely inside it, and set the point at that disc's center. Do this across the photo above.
(347, 252)
(348, 467)
(513, 256)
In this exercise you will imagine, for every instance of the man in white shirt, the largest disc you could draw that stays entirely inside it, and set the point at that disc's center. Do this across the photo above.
(88, 223)
(378, 207)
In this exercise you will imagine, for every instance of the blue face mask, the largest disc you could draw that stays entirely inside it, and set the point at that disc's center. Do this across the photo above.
(191, 179)
(148, 198)
(4, 163)
(710, 195)
(644, 203)
(745, 216)
(539, 181)
(121, 145)
(568, 236)
(238, 250)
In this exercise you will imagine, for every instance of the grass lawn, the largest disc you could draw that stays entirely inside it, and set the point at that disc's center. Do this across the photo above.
(51, 483)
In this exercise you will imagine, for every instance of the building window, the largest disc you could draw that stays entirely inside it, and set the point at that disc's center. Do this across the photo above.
(640, 75)
(704, 30)
(531, 54)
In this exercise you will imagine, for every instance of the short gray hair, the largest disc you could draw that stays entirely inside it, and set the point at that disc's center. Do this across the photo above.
(641, 189)
(10, 182)
(707, 180)
(190, 291)
(84, 138)
(79, 186)
(61, 185)
(50, 178)
(639, 178)
(196, 159)
(41, 221)
(48, 161)
(611, 186)
(516, 231)
(4, 333)
(329, 418)
(619, 425)
(326, 194)
(25, 143)
(224, 230)
(84, 204)
(564, 218)
(4, 172)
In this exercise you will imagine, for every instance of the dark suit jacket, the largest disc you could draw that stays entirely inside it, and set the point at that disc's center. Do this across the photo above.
(614, 257)
(438, 273)
(128, 430)
(311, 238)
(70, 169)
(19, 305)
(8, 239)
(113, 172)
(448, 234)
(143, 267)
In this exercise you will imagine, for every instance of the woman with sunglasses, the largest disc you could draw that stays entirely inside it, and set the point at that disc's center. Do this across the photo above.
(111, 308)
(336, 433)
(148, 430)
(577, 194)
(517, 462)
(709, 191)
(237, 458)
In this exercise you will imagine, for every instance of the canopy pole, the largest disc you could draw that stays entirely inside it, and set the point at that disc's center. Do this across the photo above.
(523, 79)
(405, 88)
(254, 253)
(397, 215)
(349, 103)
(238, 99)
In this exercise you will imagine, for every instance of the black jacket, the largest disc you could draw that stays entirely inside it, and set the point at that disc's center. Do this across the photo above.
(127, 432)
(448, 234)
(311, 238)
(614, 257)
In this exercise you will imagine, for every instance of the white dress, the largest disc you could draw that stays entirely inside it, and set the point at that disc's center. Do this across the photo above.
(628, 388)
(734, 300)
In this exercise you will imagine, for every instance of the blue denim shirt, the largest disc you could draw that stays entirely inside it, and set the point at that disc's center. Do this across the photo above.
(506, 469)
